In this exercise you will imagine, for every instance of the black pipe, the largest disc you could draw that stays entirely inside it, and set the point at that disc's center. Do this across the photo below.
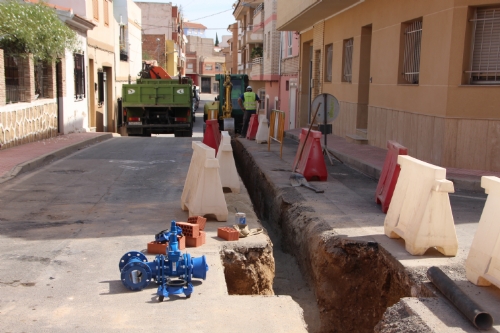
(481, 319)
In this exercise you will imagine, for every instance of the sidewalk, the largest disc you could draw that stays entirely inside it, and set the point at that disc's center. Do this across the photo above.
(29, 156)
(370, 160)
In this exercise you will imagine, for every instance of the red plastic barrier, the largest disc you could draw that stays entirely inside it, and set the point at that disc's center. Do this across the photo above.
(211, 137)
(253, 126)
(312, 163)
(389, 175)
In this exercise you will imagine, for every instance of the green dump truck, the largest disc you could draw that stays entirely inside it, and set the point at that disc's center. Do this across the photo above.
(158, 106)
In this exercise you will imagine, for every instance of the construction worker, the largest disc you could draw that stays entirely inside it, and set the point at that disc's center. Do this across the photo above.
(249, 103)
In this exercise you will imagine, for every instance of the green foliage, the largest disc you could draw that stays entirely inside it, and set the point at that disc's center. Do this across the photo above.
(36, 29)
(256, 52)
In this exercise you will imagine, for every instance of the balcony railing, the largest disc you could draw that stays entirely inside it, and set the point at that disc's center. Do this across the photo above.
(258, 60)
(259, 9)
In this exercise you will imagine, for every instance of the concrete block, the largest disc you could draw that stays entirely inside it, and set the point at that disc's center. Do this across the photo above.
(483, 262)
(263, 131)
(202, 194)
(227, 170)
(420, 210)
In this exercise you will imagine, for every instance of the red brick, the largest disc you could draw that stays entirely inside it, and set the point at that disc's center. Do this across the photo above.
(189, 230)
(203, 236)
(199, 220)
(195, 242)
(161, 247)
(228, 233)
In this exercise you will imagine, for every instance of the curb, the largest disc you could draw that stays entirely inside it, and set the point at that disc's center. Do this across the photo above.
(52, 156)
(459, 182)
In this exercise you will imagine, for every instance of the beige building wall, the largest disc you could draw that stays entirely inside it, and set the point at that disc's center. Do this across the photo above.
(442, 119)
(101, 49)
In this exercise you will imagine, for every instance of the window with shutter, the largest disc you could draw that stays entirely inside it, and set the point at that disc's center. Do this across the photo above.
(95, 7)
(106, 13)
(412, 47)
(485, 64)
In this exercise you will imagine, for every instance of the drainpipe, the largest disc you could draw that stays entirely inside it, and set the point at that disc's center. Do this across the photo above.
(279, 68)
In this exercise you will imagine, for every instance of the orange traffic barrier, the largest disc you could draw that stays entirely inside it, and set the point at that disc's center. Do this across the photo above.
(211, 137)
(252, 127)
(389, 176)
(277, 129)
(312, 163)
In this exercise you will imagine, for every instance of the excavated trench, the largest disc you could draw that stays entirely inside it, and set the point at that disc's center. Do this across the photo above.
(352, 282)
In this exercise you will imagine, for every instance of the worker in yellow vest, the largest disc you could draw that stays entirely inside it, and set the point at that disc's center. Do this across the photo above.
(251, 103)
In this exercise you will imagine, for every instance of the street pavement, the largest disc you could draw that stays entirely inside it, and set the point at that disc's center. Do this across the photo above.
(368, 220)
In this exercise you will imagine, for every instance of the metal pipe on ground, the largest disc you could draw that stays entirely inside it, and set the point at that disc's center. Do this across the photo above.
(480, 318)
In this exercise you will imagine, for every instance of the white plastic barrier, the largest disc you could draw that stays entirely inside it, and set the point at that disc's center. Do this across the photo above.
(420, 210)
(483, 262)
(227, 170)
(202, 192)
(263, 130)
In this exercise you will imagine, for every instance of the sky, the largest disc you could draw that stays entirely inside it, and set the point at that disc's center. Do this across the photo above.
(198, 10)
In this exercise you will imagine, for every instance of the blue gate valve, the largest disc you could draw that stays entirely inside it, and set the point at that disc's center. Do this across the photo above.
(173, 273)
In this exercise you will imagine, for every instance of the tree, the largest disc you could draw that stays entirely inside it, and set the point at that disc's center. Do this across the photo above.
(36, 29)
(216, 40)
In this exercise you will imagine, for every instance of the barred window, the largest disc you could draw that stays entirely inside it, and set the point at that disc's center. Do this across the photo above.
(95, 7)
(15, 89)
(348, 48)
(412, 47)
(79, 76)
(485, 63)
(41, 79)
(328, 63)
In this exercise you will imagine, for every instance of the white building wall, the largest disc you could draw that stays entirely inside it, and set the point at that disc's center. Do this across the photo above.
(74, 116)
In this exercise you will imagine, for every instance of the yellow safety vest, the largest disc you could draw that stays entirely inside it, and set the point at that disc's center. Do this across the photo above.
(250, 101)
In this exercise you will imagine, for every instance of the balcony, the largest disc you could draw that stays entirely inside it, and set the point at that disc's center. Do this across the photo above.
(255, 37)
(298, 15)
(258, 18)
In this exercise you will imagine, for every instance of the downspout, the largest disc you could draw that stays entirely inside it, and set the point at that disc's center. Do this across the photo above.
(279, 68)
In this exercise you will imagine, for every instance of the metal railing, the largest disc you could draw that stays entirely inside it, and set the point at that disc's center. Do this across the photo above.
(257, 61)
(258, 9)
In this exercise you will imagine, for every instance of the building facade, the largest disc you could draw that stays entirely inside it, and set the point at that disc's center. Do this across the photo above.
(423, 73)
(203, 63)
(163, 38)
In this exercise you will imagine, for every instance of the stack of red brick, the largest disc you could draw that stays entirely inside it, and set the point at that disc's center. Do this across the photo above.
(193, 236)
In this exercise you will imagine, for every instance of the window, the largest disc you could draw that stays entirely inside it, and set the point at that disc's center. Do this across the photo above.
(14, 82)
(95, 6)
(268, 43)
(290, 42)
(208, 67)
(123, 44)
(328, 62)
(190, 66)
(287, 85)
(412, 47)
(79, 76)
(485, 63)
(347, 61)
(41, 79)
(106, 13)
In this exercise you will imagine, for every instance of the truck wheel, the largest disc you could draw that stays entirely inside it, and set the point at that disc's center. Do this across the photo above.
(178, 134)
(205, 117)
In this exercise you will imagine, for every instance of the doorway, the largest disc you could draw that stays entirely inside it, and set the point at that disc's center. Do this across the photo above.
(205, 85)
(59, 95)
(292, 103)
(364, 78)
